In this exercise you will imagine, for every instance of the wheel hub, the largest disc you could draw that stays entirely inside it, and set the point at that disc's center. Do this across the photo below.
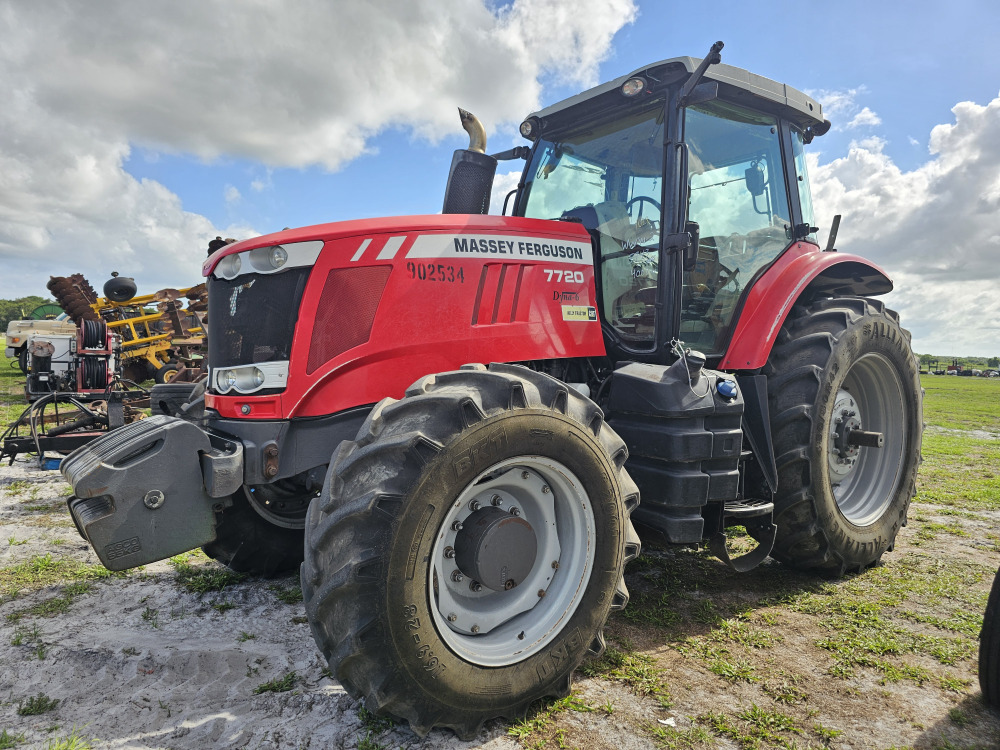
(843, 452)
(496, 548)
(511, 560)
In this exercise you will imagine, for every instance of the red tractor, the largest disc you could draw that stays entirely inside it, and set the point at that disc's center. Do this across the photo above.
(663, 323)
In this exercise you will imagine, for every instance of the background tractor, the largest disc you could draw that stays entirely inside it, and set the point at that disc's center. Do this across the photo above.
(662, 324)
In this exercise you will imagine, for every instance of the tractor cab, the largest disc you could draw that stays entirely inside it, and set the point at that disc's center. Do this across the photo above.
(691, 180)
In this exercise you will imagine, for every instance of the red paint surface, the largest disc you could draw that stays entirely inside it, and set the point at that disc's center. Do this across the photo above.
(771, 299)
(424, 326)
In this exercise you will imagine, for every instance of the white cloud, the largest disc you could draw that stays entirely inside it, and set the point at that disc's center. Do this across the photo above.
(931, 228)
(232, 195)
(260, 184)
(837, 103)
(84, 83)
(503, 183)
(302, 85)
(864, 118)
(842, 109)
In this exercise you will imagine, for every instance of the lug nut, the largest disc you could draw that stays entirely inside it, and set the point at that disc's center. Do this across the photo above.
(541, 593)
(525, 475)
(474, 505)
(496, 500)
(515, 511)
(452, 617)
(555, 565)
(457, 526)
(476, 586)
(449, 552)
(475, 628)
(509, 584)
(457, 577)
(546, 489)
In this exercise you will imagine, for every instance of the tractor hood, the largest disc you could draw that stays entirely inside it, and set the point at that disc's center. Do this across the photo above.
(449, 223)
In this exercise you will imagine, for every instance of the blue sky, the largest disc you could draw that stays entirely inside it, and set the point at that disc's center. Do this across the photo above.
(135, 132)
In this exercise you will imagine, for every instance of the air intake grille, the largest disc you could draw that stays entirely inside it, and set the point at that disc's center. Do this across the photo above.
(252, 318)
(346, 312)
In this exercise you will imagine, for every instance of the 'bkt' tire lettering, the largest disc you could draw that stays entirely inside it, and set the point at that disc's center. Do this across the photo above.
(559, 654)
(484, 452)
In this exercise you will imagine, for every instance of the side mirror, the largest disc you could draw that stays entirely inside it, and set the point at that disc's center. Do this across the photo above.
(754, 177)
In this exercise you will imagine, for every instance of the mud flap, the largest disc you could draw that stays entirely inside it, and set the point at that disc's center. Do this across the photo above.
(150, 490)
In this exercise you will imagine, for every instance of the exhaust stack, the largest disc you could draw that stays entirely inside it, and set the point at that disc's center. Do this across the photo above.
(470, 180)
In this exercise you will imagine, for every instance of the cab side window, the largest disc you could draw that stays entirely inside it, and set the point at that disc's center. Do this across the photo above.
(738, 197)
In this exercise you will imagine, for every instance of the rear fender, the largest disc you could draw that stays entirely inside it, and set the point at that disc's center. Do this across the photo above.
(800, 271)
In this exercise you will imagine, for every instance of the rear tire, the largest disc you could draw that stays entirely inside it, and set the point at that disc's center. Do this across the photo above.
(22, 359)
(398, 619)
(989, 648)
(839, 365)
(247, 543)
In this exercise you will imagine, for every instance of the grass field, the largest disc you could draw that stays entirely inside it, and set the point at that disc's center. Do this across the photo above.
(701, 657)
(11, 390)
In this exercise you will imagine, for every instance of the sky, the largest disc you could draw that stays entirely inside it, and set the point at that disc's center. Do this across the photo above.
(132, 132)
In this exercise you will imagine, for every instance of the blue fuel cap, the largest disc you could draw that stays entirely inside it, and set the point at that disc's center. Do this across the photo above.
(727, 389)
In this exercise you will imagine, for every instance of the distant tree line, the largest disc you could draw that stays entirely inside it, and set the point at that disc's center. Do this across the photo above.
(18, 309)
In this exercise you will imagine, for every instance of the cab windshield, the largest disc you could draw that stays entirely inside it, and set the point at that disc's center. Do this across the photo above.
(609, 178)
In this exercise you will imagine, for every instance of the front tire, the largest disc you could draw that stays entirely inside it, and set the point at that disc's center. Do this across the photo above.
(425, 591)
(842, 367)
(247, 542)
(989, 648)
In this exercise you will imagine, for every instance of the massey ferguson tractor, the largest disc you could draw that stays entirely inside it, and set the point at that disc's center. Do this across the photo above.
(662, 323)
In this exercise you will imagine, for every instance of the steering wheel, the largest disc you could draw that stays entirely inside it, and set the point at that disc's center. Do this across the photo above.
(639, 199)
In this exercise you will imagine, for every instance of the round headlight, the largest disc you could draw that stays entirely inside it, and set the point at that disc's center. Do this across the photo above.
(278, 257)
(527, 129)
(258, 378)
(229, 267)
(228, 378)
(634, 86)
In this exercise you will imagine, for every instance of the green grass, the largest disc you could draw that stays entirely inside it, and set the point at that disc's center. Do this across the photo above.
(8, 740)
(12, 401)
(638, 671)
(374, 725)
(961, 403)
(43, 570)
(753, 728)
(37, 704)
(959, 471)
(536, 728)
(73, 741)
(198, 574)
(277, 685)
(292, 595)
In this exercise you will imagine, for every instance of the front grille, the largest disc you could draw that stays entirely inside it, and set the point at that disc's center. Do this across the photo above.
(252, 318)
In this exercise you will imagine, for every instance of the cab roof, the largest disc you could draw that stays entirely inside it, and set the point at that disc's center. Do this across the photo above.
(735, 84)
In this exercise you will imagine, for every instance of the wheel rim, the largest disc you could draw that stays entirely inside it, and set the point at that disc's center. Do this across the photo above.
(865, 479)
(496, 628)
(285, 508)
